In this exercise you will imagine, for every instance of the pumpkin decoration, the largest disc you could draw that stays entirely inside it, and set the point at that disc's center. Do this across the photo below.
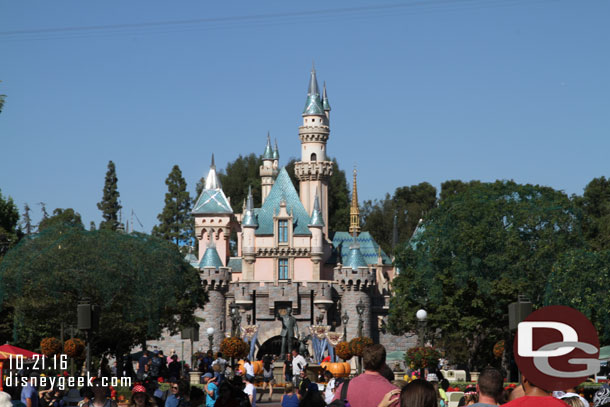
(234, 347)
(358, 344)
(343, 350)
(257, 365)
(338, 369)
(50, 346)
(499, 349)
(74, 347)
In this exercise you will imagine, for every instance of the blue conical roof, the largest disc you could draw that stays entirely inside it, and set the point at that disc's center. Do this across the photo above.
(355, 259)
(325, 102)
(249, 217)
(313, 105)
(276, 152)
(268, 154)
(316, 215)
(210, 258)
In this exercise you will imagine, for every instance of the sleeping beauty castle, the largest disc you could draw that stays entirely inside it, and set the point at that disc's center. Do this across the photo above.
(286, 262)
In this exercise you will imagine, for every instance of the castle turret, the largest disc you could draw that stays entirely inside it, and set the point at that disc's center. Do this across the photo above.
(249, 224)
(314, 169)
(268, 171)
(357, 281)
(215, 279)
(317, 239)
(326, 103)
(276, 156)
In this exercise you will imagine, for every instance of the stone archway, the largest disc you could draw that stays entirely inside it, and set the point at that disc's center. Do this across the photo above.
(273, 346)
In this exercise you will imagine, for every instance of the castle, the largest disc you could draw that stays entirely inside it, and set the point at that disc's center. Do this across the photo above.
(285, 258)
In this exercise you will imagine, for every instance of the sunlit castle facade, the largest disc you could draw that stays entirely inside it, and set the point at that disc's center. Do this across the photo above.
(285, 257)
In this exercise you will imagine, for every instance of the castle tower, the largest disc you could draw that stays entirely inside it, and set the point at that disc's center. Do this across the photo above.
(268, 170)
(215, 279)
(354, 211)
(249, 224)
(213, 216)
(314, 169)
(357, 281)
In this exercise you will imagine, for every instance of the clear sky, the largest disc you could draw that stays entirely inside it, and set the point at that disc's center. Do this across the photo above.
(420, 90)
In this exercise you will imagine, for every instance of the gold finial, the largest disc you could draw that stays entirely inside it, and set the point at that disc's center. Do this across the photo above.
(354, 212)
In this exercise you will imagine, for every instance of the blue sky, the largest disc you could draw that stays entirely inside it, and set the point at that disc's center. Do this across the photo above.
(421, 91)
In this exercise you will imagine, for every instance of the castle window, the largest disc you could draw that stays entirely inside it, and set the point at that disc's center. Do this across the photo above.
(283, 231)
(314, 157)
(283, 269)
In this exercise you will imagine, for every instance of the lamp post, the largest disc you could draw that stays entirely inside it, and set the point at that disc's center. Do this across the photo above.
(421, 316)
(360, 311)
(210, 332)
(344, 321)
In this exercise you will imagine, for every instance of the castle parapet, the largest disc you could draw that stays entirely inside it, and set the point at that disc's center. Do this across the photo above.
(215, 278)
(359, 279)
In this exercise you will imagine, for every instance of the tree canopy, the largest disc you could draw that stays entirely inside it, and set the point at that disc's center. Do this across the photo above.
(9, 217)
(238, 176)
(595, 203)
(409, 204)
(110, 205)
(175, 220)
(141, 283)
(481, 247)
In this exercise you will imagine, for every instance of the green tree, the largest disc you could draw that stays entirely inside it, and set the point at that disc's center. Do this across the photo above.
(481, 247)
(236, 178)
(595, 203)
(175, 220)
(579, 280)
(141, 283)
(67, 217)
(409, 204)
(338, 196)
(9, 218)
(110, 205)
(27, 220)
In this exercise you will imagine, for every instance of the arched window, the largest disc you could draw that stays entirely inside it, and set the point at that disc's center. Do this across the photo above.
(314, 157)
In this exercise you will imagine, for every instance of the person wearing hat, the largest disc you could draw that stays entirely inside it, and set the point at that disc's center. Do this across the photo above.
(211, 390)
(139, 397)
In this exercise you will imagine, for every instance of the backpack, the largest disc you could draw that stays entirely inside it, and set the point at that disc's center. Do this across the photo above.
(342, 400)
(155, 367)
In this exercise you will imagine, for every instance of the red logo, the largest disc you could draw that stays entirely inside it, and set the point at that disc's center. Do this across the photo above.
(557, 348)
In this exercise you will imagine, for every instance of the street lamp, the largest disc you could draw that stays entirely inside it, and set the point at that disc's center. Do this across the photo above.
(345, 320)
(210, 332)
(360, 311)
(421, 316)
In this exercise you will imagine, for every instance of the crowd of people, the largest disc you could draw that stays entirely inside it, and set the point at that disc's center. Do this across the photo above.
(375, 387)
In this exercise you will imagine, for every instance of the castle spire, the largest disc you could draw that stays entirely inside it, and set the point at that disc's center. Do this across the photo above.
(354, 211)
(276, 152)
(212, 181)
(268, 154)
(325, 102)
(313, 105)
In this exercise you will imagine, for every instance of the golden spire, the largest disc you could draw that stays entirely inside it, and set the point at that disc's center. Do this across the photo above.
(354, 212)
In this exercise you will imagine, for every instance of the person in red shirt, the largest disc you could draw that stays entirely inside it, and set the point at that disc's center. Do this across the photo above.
(534, 397)
(369, 388)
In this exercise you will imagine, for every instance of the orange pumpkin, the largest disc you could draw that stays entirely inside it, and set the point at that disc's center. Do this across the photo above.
(257, 365)
(338, 369)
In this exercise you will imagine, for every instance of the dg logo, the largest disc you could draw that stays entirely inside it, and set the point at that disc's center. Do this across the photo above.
(557, 348)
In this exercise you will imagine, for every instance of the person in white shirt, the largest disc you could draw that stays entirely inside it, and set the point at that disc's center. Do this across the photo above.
(250, 390)
(329, 391)
(249, 370)
(298, 364)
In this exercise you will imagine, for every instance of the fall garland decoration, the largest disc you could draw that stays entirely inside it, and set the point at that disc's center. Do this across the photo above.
(74, 347)
(50, 346)
(342, 350)
(422, 357)
(358, 344)
(234, 347)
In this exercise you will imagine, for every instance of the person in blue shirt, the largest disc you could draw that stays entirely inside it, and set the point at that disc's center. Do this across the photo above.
(211, 390)
(174, 398)
(29, 394)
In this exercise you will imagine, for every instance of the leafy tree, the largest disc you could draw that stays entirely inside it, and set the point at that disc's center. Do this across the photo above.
(454, 187)
(141, 283)
(67, 217)
(9, 217)
(409, 204)
(175, 220)
(338, 196)
(92, 226)
(481, 247)
(595, 203)
(579, 280)
(27, 220)
(109, 205)
(236, 178)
